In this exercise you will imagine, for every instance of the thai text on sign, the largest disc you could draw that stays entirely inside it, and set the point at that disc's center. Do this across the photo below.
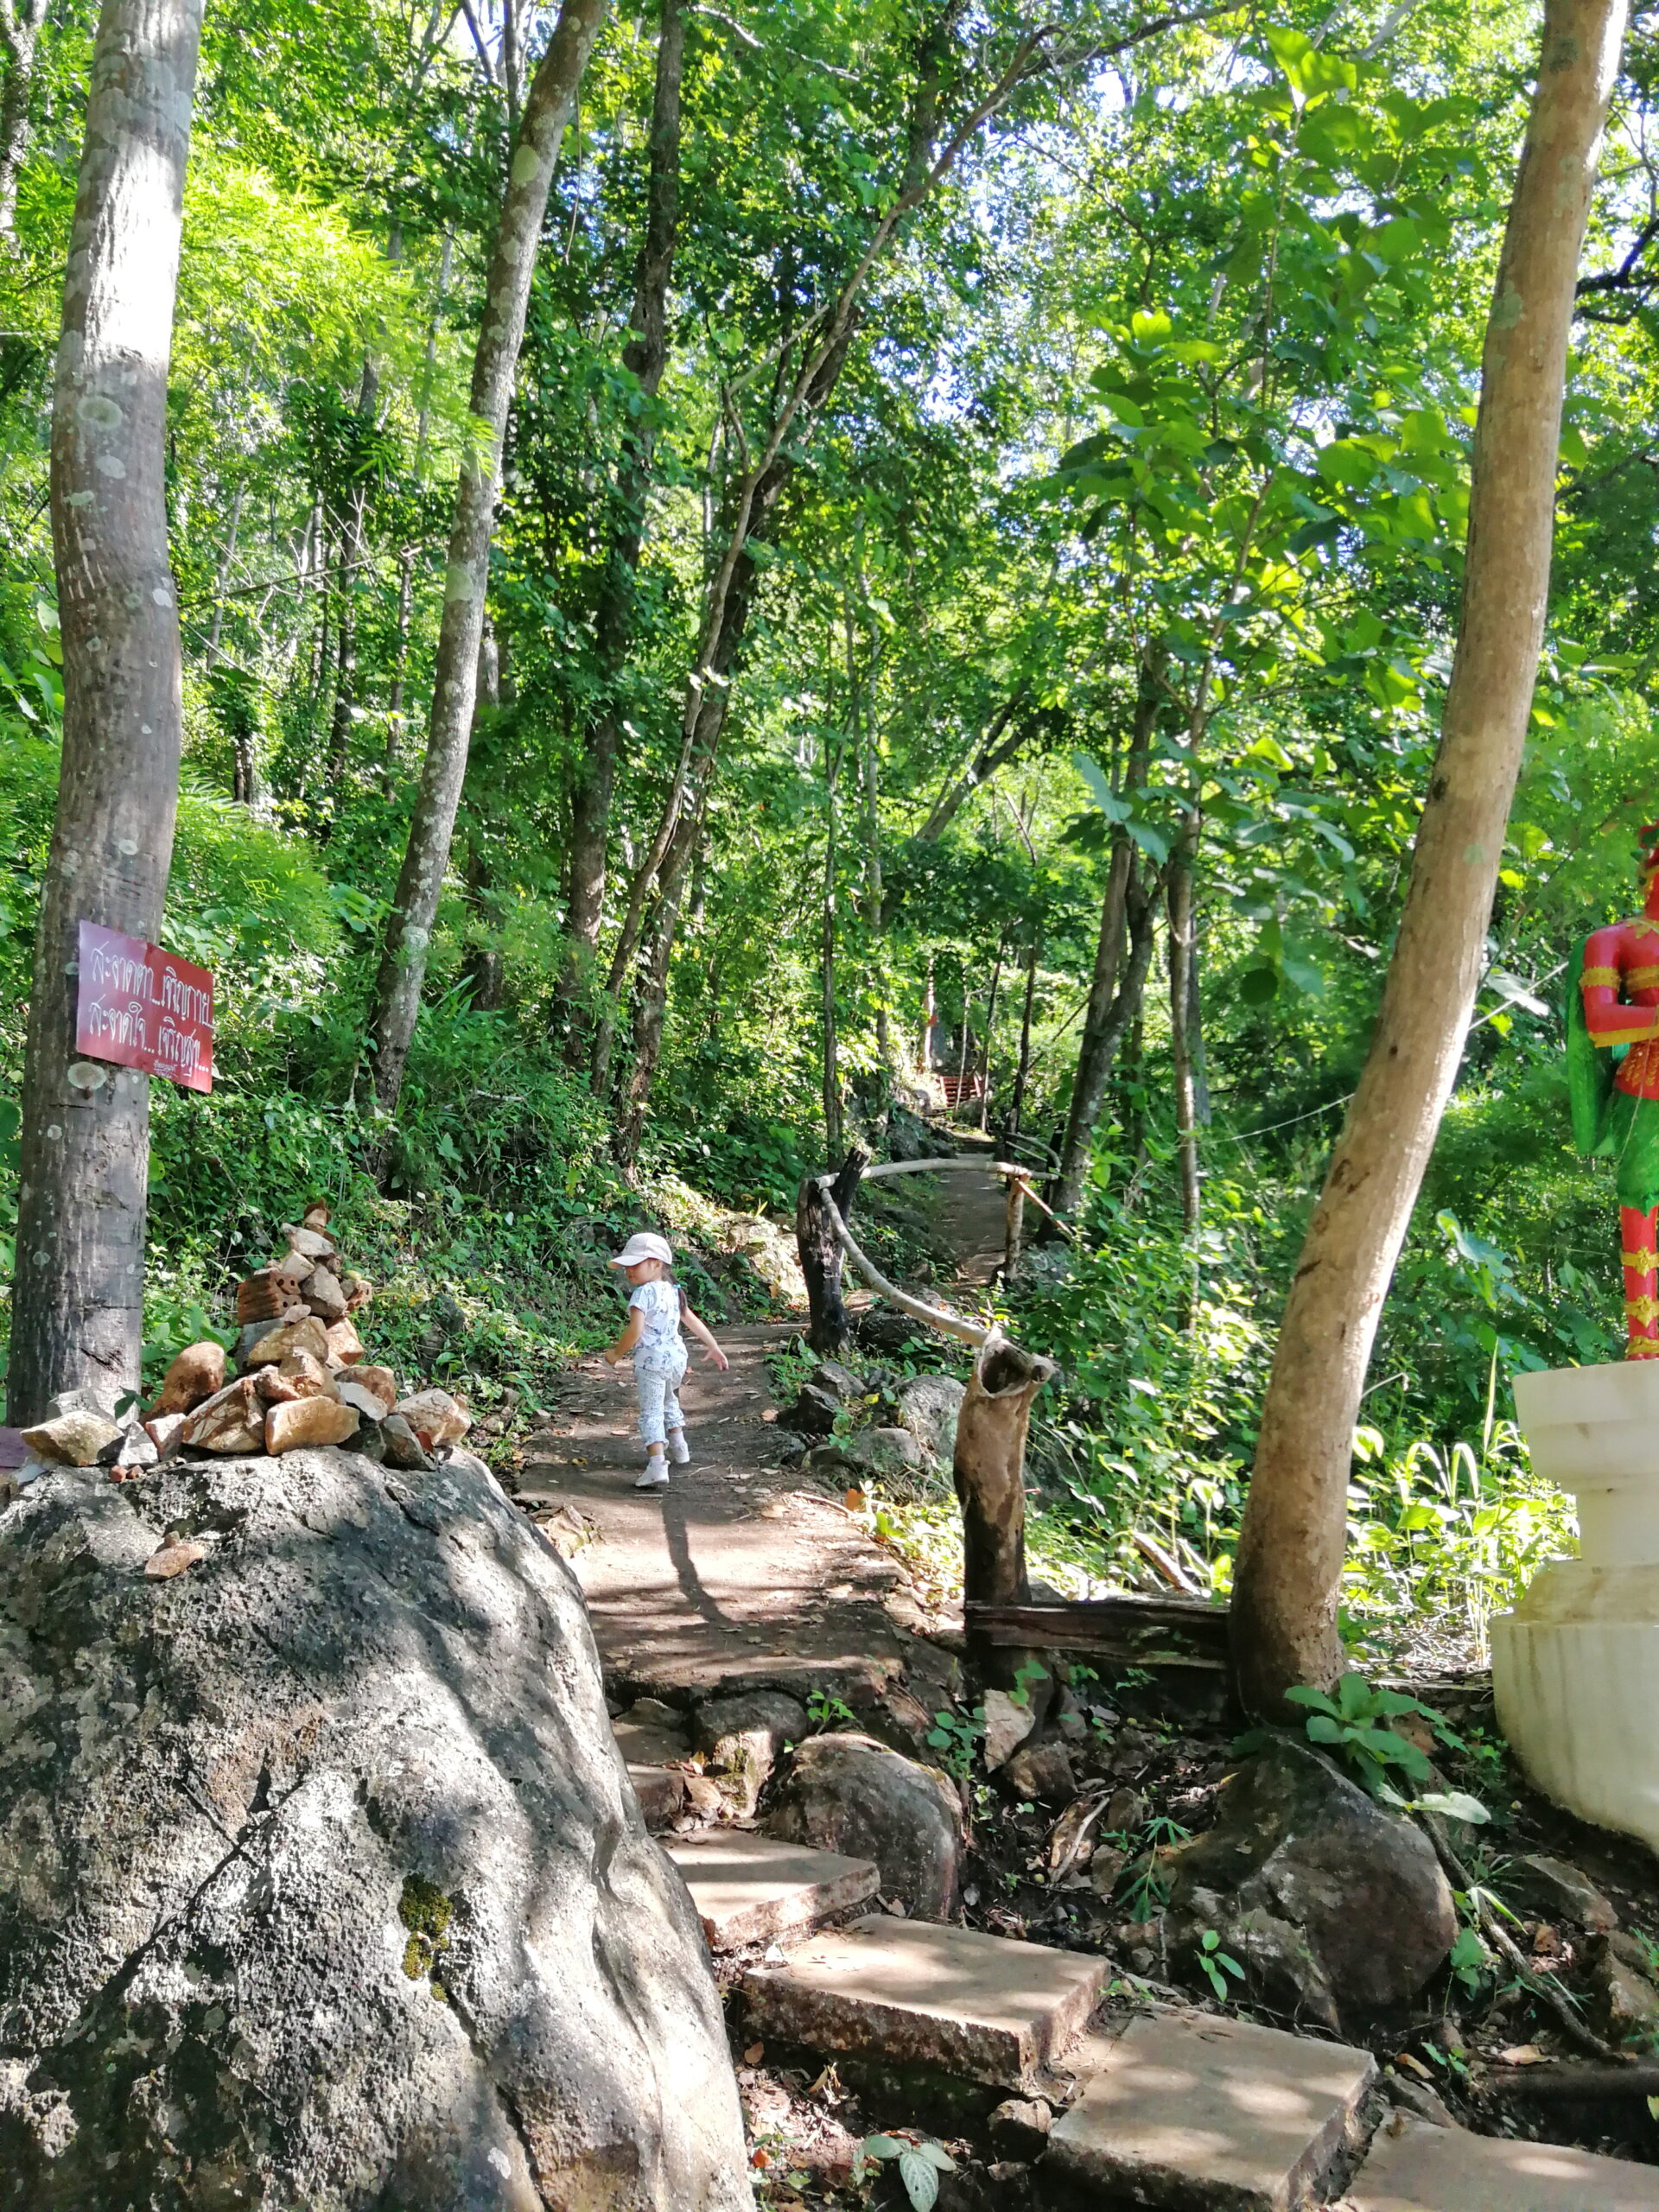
(145, 1008)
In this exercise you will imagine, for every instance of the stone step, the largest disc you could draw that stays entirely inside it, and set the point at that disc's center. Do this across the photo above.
(977, 2007)
(661, 1792)
(1184, 2111)
(1411, 2165)
(754, 1889)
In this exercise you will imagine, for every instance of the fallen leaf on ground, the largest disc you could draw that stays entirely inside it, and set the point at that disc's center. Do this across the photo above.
(853, 1500)
(755, 2054)
(173, 1559)
(1523, 2054)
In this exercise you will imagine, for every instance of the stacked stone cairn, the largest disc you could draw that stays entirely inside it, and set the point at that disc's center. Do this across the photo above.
(301, 1378)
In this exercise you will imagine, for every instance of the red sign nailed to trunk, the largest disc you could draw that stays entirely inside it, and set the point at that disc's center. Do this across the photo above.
(143, 1008)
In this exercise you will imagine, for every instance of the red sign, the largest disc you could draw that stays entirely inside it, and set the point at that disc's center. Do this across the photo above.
(142, 1008)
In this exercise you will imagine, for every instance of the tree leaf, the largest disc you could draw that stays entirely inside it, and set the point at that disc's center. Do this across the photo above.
(1456, 1805)
(921, 2180)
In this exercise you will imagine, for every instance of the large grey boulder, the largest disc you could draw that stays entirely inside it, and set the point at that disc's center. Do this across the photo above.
(322, 1888)
(928, 1407)
(1336, 1906)
(849, 1794)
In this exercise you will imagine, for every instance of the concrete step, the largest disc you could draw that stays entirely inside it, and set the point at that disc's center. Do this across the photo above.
(754, 1889)
(1411, 2165)
(661, 1792)
(1184, 2111)
(978, 2006)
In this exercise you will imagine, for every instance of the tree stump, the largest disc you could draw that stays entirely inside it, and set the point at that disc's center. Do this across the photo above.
(990, 1479)
(828, 1327)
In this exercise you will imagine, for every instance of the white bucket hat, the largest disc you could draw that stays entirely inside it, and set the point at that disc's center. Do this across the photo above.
(648, 1245)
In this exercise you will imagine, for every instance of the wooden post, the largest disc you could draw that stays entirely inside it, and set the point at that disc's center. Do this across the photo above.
(991, 1480)
(815, 1236)
(1016, 1226)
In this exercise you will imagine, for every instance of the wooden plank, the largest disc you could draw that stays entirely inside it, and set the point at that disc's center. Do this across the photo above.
(1170, 1630)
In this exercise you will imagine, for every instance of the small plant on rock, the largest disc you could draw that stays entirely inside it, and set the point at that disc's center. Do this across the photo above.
(919, 2166)
(1354, 1726)
(1217, 1963)
(826, 1711)
(956, 1738)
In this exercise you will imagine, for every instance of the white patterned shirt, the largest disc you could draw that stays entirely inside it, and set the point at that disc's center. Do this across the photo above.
(660, 1348)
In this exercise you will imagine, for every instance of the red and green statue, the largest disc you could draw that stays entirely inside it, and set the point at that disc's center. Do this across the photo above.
(1612, 1072)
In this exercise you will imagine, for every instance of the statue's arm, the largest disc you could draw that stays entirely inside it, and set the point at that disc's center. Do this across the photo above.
(1600, 982)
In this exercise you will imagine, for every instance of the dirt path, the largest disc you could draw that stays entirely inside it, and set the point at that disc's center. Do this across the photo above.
(742, 1571)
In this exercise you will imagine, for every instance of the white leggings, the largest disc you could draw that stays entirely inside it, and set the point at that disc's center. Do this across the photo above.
(660, 1409)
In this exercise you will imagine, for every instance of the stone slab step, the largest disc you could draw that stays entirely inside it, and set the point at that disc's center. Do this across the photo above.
(1184, 2111)
(977, 2007)
(661, 1792)
(754, 1889)
(1413, 2167)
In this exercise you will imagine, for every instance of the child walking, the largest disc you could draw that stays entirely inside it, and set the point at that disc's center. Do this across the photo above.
(657, 1306)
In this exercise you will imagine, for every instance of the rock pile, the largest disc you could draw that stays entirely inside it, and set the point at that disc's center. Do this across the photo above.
(301, 1378)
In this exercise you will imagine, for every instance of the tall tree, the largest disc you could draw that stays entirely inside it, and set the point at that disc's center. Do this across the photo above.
(644, 356)
(77, 1313)
(1117, 986)
(20, 32)
(1291, 1548)
(501, 331)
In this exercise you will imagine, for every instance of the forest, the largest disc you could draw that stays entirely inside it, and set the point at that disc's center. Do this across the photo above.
(1120, 527)
(687, 589)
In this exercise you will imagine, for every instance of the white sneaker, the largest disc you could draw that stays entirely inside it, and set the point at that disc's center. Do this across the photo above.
(678, 1450)
(654, 1475)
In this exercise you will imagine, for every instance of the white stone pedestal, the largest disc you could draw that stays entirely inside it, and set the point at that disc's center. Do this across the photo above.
(1575, 1667)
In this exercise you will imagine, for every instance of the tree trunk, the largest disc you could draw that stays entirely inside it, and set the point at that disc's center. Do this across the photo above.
(990, 1481)
(77, 1312)
(406, 564)
(831, 1056)
(1088, 1084)
(645, 358)
(1013, 1238)
(353, 548)
(223, 582)
(1179, 902)
(1100, 1042)
(653, 997)
(874, 892)
(1290, 1548)
(1108, 1014)
(1022, 1073)
(731, 585)
(677, 829)
(990, 1032)
(481, 967)
(999, 747)
(507, 300)
(828, 1328)
(20, 31)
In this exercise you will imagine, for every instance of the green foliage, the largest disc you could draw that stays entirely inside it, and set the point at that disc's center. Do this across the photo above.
(957, 1738)
(426, 1913)
(1216, 1964)
(826, 1711)
(919, 2163)
(1355, 1726)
